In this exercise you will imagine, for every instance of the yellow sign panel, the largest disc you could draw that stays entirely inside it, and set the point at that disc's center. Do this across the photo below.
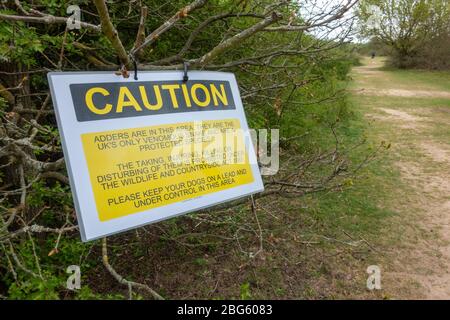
(133, 170)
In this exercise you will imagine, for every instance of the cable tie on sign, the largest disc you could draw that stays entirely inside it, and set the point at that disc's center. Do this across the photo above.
(135, 68)
(185, 74)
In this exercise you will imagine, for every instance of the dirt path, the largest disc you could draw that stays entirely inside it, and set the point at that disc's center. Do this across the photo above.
(411, 117)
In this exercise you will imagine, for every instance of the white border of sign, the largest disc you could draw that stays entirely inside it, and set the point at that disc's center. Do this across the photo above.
(71, 130)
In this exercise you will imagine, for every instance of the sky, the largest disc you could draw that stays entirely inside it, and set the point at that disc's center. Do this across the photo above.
(315, 7)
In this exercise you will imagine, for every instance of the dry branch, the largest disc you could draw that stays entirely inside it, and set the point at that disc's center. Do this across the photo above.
(182, 13)
(122, 280)
(46, 19)
(110, 31)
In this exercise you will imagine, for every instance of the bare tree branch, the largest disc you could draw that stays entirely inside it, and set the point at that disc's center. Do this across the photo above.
(140, 36)
(231, 42)
(169, 24)
(46, 19)
(110, 31)
(121, 279)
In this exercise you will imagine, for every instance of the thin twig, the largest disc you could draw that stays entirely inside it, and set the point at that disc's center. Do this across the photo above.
(121, 279)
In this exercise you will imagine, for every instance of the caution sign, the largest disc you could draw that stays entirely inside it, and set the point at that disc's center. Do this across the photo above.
(141, 151)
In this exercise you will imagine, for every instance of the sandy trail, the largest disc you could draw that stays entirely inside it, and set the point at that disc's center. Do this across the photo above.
(404, 93)
(422, 260)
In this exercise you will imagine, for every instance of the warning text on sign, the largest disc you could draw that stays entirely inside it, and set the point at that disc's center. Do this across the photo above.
(133, 170)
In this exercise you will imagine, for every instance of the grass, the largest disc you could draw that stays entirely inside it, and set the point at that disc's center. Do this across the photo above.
(424, 79)
(407, 79)
(417, 190)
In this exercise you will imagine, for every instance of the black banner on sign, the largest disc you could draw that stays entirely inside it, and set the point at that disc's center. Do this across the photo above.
(97, 101)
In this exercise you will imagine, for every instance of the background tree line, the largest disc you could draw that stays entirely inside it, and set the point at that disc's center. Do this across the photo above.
(415, 32)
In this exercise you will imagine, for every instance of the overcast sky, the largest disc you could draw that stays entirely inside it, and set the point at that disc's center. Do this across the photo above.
(316, 7)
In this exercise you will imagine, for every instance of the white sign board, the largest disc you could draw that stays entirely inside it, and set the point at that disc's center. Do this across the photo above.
(141, 151)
